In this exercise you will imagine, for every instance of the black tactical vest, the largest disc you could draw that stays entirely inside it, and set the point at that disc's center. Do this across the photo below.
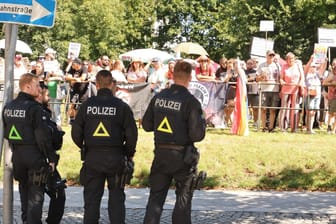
(104, 122)
(18, 124)
(170, 123)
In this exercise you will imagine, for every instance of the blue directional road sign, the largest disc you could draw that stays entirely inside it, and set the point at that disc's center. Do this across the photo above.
(28, 12)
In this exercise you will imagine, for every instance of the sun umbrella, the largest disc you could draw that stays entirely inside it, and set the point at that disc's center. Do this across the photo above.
(146, 55)
(20, 46)
(190, 48)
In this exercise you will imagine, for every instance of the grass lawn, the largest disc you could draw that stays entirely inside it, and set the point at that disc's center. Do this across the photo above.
(279, 161)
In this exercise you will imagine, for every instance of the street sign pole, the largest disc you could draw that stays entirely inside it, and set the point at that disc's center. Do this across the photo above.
(11, 36)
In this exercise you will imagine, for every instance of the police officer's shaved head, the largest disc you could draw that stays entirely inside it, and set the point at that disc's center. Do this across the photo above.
(104, 79)
(182, 71)
(25, 79)
(29, 84)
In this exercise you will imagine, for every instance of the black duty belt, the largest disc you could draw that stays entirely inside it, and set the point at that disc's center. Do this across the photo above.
(170, 146)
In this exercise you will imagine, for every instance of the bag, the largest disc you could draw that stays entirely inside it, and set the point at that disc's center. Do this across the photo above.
(312, 92)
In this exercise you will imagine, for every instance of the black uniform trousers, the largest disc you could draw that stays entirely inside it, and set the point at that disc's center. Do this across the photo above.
(57, 199)
(26, 159)
(98, 167)
(168, 165)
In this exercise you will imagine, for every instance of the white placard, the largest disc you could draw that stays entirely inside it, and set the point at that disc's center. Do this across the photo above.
(266, 25)
(260, 46)
(74, 50)
(50, 66)
(327, 37)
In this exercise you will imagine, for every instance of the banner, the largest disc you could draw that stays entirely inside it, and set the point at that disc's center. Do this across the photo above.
(137, 96)
(211, 95)
(212, 98)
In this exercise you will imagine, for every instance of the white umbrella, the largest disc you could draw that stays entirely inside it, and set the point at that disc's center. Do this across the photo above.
(146, 55)
(20, 46)
(190, 48)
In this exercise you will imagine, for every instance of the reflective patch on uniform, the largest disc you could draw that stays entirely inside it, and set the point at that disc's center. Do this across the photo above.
(165, 126)
(15, 113)
(101, 131)
(14, 134)
(44, 118)
(168, 104)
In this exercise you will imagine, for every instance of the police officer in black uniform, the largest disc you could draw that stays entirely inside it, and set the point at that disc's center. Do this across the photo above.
(177, 120)
(33, 156)
(106, 126)
(55, 184)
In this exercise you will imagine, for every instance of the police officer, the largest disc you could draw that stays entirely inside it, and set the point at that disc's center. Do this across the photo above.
(55, 185)
(106, 126)
(176, 118)
(26, 131)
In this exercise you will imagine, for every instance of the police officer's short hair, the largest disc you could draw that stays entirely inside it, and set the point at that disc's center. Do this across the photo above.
(104, 79)
(182, 70)
(26, 78)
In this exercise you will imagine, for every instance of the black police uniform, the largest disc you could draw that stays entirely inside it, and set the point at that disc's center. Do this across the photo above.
(26, 131)
(55, 185)
(177, 120)
(107, 127)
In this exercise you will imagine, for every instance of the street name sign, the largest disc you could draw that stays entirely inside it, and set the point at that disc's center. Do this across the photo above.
(28, 12)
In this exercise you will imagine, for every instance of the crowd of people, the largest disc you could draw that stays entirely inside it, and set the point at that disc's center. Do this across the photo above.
(286, 93)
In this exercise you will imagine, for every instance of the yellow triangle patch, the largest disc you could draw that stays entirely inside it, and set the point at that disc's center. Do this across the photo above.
(14, 134)
(101, 131)
(165, 126)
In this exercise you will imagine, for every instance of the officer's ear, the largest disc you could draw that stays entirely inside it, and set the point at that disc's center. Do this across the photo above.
(114, 87)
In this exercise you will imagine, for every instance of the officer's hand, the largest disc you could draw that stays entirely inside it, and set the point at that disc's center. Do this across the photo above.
(52, 165)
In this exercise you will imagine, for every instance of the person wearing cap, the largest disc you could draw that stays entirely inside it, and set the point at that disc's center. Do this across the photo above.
(268, 74)
(54, 77)
(77, 75)
(291, 80)
(157, 75)
(136, 72)
(205, 71)
(313, 77)
(106, 128)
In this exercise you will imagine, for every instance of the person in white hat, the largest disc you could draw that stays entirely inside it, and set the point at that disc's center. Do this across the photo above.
(53, 79)
(136, 72)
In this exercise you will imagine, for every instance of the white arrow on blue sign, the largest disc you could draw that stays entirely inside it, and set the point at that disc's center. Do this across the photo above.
(28, 12)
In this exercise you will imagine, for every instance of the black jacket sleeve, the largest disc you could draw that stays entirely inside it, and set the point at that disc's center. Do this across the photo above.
(148, 118)
(131, 132)
(196, 121)
(77, 129)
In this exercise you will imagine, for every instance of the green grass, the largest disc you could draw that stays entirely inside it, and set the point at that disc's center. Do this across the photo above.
(279, 161)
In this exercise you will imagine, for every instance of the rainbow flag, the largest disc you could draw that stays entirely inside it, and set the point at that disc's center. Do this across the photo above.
(240, 119)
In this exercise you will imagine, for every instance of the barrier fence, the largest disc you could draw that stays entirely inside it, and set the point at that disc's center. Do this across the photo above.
(212, 96)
